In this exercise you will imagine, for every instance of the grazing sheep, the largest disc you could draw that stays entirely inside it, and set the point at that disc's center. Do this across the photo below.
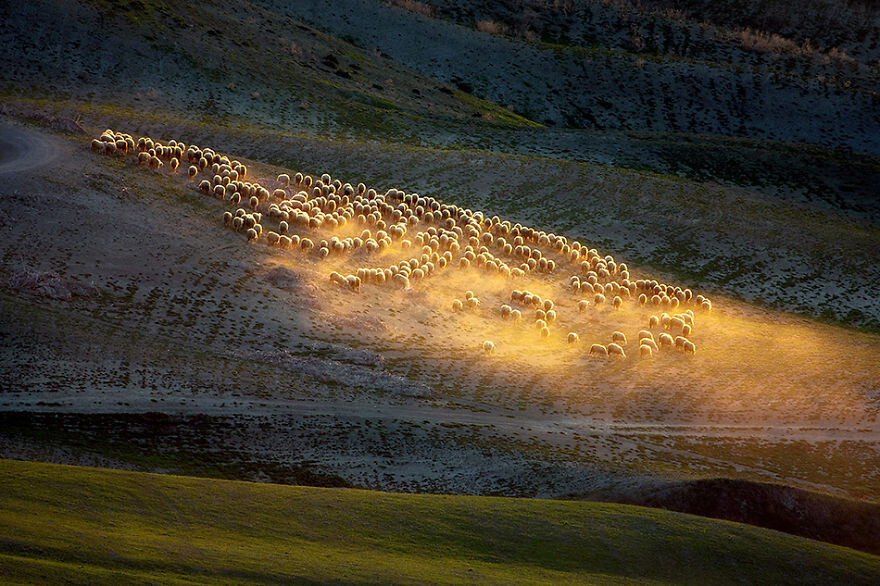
(219, 191)
(285, 242)
(193, 171)
(617, 302)
(645, 351)
(598, 300)
(272, 238)
(227, 218)
(706, 305)
(643, 300)
(354, 283)
(237, 223)
(583, 304)
(653, 322)
(666, 340)
(472, 302)
(251, 235)
(306, 244)
(618, 337)
(205, 186)
(573, 338)
(616, 350)
(457, 305)
(686, 330)
(468, 294)
(675, 323)
(284, 179)
(689, 348)
(174, 163)
(550, 316)
(679, 342)
(599, 350)
(651, 343)
(516, 316)
(548, 305)
(505, 311)
(545, 332)
(488, 347)
(645, 334)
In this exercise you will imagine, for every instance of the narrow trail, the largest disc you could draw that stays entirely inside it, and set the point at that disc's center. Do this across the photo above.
(23, 149)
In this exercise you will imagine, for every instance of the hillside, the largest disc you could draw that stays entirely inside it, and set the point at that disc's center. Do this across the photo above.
(614, 250)
(81, 524)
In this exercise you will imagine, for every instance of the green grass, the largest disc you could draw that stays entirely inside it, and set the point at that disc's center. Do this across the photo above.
(62, 523)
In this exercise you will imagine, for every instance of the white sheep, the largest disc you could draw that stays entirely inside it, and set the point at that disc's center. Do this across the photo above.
(583, 304)
(573, 338)
(645, 351)
(650, 343)
(618, 337)
(457, 305)
(689, 347)
(599, 350)
(545, 332)
(666, 340)
(616, 350)
(488, 346)
(284, 179)
(645, 334)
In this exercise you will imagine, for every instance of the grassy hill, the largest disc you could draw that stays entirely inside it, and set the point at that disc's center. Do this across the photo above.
(88, 525)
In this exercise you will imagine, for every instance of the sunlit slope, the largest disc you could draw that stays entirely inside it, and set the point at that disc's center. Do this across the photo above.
(406, 266)
(763, 396)
(99, 526)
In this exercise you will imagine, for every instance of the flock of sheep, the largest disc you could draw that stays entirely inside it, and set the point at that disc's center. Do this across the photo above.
(307, 215)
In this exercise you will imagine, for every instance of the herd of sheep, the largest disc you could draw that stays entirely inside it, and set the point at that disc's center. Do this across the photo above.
(307, 215)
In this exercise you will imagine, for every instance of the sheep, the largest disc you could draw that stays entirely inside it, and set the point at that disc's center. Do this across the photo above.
(679, 342)
(689, 348)
(457, 305)
(283, 179)
(306, 244)
(545, 332)
(618, 337)
(706, 305)
(666, 340)
(548, 305)
(205, 186)
(573, 338)
(253, 202)
(505, 311)
(583, 304)
(279, 194)
(675, 323)
(686, 330)
(540, 323)
(237, 223)
(193, 171)
(285, 242)
(616, 350)
(468, 294)
(488, 347)
(272, 238)
(251, 234)
(645, 351)
(653, 322)
(598, 300)
(219, 191)
(617, 302)
(645, 334)
(472, 302)
(550, 316)
(227, 218)
(643, 300)
(354, 283)
(650, 343)
(174, 163)
(598, 350)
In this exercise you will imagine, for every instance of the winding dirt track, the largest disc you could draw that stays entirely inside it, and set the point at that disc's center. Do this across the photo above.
(23, 149)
